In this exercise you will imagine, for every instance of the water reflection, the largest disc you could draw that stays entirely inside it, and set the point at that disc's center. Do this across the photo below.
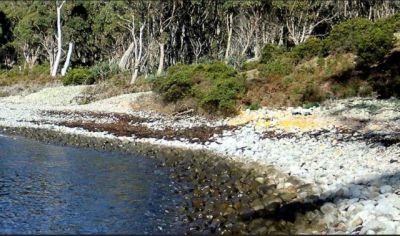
(52, 189)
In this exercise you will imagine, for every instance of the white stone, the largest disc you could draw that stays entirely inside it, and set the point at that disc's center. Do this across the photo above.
(328, 208)
(385, 189)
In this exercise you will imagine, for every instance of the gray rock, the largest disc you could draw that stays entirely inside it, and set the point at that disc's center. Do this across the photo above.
(366, 216)
(354, 223)
(385, 189)
(257, 205)
(329, 208)
(389, 227)
(372, 225)
(384, 207)
(394, 200)
(260, 180)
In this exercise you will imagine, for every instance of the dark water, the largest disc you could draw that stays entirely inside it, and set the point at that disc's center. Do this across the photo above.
(54, 189)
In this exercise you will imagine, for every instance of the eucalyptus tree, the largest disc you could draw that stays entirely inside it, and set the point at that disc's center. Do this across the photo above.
(32, 31)
(59, 39)
(163, 14)
(301, 17)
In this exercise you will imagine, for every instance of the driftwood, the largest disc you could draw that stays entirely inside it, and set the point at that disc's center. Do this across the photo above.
(183, 113)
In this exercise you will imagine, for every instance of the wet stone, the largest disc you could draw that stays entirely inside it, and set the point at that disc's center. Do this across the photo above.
(288, 196)
(257, 205)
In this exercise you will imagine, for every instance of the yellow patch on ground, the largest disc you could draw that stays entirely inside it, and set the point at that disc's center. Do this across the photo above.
(281, 120)
(244, 118)
(263, 123)
(300, 122)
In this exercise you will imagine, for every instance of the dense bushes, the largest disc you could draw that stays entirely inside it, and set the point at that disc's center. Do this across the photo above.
(104, 70)
(310, 48)
(79, 76)
(100, 71)
(215, 86)
(178, 83)
(270, 52)
(39, 74)
(370, 41)
(280, 66)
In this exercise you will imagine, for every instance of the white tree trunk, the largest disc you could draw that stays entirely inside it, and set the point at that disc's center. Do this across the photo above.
(135, 75)
(59, 41)
(51, 60)
(257, 49)
(67, 61)
(229, 25)
(126, 57)
(161, 58)
(138, 55)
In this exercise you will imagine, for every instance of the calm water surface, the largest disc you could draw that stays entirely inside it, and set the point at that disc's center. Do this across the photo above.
(55, 189)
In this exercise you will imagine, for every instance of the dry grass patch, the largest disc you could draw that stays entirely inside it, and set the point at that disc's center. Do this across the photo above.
(114, 87)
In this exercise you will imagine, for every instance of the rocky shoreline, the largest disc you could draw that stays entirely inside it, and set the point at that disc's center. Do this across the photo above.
(339, 164)
(235, 199)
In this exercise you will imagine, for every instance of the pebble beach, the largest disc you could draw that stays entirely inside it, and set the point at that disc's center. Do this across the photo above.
(348, 151)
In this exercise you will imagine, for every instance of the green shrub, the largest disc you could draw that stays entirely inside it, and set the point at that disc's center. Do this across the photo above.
(254, 106)
(237, 61)
(312, 92)
(221, 98)
(249, 65)
(177, 84)
(345, 36)
(78, 76)
(310, 48)
(270, 52)
(43, 69)
(104, 70)
(281, 66)
(37, 70)
(309, 105)
(392, 23)
(370, 41)
(374, 46)
(215, 86)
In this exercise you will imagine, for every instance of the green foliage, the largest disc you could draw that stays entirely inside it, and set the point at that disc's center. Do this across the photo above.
(78, 76)
(281, 66)
(392, 23)
(104, 70)
(35, 71)
(38, 74)
(254, 106)
(100, 71)
(178, 83)
(270, 51)
(310, 48)
(221, 98)
(375, 46)
(309, 105)
(370, 41)
(345, 36)
(249, 65)
(237, 61)
(215, 86)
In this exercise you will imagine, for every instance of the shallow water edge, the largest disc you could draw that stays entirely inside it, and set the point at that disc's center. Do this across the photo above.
(53, 189)
(226, 196)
